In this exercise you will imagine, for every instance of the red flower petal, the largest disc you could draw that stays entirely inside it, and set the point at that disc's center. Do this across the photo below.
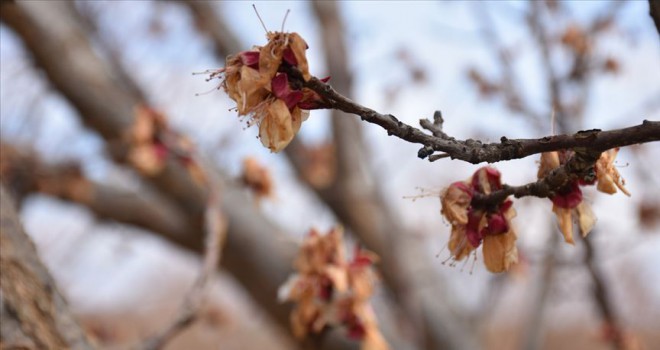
(493, 176)
(250, 58)
(281, 89)
(496, 225)
(568, 197)
(289, 57)
(472, 227)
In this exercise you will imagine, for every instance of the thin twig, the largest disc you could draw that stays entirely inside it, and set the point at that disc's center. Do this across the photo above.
(215, 229)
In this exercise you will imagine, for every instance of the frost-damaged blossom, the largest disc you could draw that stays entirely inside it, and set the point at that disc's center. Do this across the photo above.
(330, 290)
(608, 177)
(471, 226)
(567, 202)
(257, 178)
(254, 79)
(152, 142)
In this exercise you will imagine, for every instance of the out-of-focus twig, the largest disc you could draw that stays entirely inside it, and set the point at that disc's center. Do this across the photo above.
(508, 85)
(601, 295)
(541, 284)
(215, 235)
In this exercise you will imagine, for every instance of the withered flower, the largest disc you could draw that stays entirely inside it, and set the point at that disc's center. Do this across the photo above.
(471, 226)
(147, 151)
(567, 202)
(257, 178)
(330, 290)
(255, 81)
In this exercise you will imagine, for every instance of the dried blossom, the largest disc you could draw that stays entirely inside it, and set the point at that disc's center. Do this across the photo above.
(257, 178)
(609, 178)
(152, 143)
(148, 153)
(255, 81)
(471, 226)
(567, 202)
(576, 39)
(330, 290)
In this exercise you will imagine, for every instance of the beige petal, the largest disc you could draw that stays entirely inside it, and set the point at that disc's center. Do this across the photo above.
(296, 119)
(145, 159)
(298, 46)
(586, 218)
(609, 178)
(565, 222)
(250, 90)
(338, 276)
(458, 244)
(549, 161)
(500, 251)
(275, 129)
(143, 129)
(455, 203)
(270, 56)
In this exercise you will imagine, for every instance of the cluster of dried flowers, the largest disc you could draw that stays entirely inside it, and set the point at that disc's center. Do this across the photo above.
(153, 142)
(471, 226)
(568, 201)
(256, 80)
(330, 290)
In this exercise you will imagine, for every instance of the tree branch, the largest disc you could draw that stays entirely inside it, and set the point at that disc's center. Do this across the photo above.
(474, 151)
(23, 172)
(654, 12)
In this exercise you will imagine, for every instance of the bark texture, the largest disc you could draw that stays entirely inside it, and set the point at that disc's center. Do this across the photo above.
(33, 314)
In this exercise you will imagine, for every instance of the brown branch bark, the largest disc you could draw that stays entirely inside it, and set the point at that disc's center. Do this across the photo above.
(474, 151)
(654, 12)
(256, 253)
(140, 209)
(23, 172)
(33, 314)
(601, 295)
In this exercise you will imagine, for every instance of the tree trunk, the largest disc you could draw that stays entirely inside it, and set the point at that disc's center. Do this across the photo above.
(33, 314)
